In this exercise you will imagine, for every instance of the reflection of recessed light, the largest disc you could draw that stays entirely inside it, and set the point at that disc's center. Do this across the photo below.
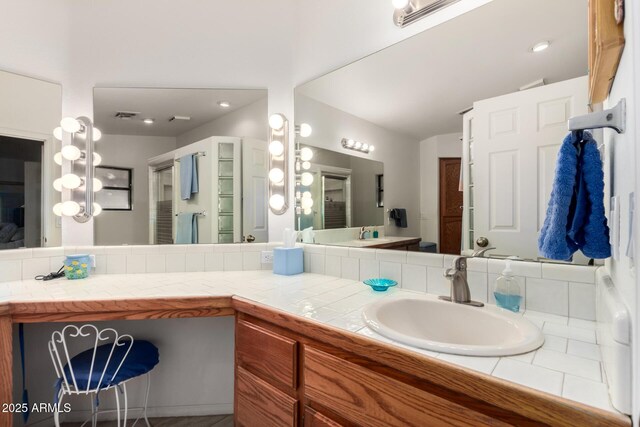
(149, 121)
(224, 104)
(539, 47)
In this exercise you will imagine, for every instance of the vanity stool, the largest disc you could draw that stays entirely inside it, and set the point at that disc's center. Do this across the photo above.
(111, 362)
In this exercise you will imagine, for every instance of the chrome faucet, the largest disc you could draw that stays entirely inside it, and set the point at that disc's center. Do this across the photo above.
(460, 292)
(480, 252)
(362, 231)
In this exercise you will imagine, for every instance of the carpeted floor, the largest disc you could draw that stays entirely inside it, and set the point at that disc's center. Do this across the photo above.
(208, 421)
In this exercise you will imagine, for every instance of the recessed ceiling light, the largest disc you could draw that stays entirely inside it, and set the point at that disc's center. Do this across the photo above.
(224, 104)
(539, 47)
(149, 121)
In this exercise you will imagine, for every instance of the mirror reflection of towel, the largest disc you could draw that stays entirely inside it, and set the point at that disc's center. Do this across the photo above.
(187, 229)
(188, 176)
(399, 216)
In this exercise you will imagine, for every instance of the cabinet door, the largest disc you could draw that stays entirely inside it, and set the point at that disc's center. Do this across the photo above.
(260, 404)
(368, 398)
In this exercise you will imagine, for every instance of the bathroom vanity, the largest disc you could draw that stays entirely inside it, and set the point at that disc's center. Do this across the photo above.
(292, 367)
(395, 243)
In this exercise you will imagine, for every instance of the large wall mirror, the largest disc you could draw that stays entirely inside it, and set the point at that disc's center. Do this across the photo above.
(181, 166)
(29, 111)
(466, 132)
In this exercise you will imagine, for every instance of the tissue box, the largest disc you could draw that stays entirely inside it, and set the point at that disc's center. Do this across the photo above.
(288, 261)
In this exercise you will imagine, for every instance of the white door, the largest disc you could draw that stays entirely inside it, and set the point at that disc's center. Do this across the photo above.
(254, 190)
(515, 144)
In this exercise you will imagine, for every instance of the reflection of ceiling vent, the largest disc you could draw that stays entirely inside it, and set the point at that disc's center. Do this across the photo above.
(418, 9)
(126, 115)
(178, 118)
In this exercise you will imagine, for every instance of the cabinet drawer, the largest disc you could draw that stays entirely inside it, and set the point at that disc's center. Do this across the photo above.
(314, 418)
(269, 355)
(368, 398)
(260, 404)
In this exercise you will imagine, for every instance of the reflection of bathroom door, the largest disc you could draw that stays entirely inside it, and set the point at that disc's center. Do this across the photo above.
(516, 139)
(450, 206)
(254, 190)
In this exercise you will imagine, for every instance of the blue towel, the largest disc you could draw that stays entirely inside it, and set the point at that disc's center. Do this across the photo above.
(575, 217)
(187, 230)
(188, 176)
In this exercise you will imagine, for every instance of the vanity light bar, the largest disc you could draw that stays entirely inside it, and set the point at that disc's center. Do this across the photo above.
(362, 147)
(278, 164)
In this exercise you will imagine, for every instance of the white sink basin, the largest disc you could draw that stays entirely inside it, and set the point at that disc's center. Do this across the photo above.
(445, 327)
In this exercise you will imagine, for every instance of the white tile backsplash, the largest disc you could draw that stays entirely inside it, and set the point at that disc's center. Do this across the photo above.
(547, 288)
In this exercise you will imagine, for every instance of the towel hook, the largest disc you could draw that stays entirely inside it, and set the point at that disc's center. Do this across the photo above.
(614, 118)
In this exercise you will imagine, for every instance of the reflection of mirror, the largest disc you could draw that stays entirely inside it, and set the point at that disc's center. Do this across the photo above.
(181, 165)
(468, 130)
(29, 111)
(344, 190)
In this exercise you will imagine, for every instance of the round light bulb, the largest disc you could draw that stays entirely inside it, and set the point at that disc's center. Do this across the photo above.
(97, 134)
(306, 166)
(306, 154)
(371, 148)
(276, 121)
(57, 209)
(58, 158)
(276, 175)
(70, 208)
(276, 201)
(306, 203)
(97, 209)
(97, 185)
(57, 184)
(71, 181)
(97, 159)
(400, 4)
(57, 133)
(350, 142)
(71, 152)
(358, 145)
(276, 148)
(305, 130)
(365, 147)
(306, 195)
(71, 125)
(306, 179)
(307, 211)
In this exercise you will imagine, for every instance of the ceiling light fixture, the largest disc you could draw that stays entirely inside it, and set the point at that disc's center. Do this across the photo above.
(539, 47)
(149, 121)
(224, 104)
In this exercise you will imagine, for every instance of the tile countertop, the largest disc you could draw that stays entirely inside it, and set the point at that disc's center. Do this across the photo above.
(567, 365)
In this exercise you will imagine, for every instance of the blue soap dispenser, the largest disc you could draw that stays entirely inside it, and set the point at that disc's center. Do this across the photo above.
(507, 290)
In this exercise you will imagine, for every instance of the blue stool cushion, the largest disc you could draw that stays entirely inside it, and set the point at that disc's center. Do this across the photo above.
(141, 359)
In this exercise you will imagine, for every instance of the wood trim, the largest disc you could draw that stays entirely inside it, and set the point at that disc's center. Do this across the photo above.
(6, 368)
(129, 309)
(523, 401)
(398, 244)
(606, 43)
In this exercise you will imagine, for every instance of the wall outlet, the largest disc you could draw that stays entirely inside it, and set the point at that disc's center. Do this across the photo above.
(266, 257)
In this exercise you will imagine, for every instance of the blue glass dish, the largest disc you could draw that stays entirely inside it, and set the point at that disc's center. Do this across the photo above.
(380, 285)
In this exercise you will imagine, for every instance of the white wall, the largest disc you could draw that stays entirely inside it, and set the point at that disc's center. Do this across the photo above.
(128, 151)
(249, 121)
(431, 150)
(399, 153)
(622, 151)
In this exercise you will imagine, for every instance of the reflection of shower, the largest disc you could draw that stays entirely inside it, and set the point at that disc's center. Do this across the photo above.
(335, 201)
(162, 201)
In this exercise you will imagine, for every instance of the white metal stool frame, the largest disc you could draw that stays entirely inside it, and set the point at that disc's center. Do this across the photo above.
(69, 386)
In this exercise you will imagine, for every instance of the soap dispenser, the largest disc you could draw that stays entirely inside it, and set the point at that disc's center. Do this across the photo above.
(507, 290)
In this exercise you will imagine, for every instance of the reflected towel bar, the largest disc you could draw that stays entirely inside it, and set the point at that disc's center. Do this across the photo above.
(198, 154)
(614, 118)
(203, 213)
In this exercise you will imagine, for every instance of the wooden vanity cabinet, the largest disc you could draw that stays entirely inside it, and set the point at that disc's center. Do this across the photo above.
(292, 372)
